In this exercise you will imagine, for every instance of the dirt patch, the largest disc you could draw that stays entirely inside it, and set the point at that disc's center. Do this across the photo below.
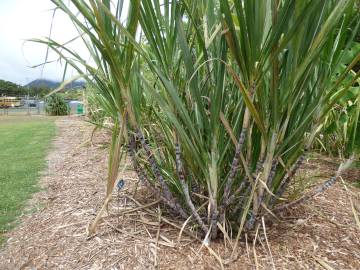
(315, 235)
(330, 164)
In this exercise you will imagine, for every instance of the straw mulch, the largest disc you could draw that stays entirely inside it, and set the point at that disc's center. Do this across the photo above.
(138, 233)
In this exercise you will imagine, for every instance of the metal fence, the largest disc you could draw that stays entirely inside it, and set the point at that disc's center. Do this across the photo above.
(21, 111)
(38, 109)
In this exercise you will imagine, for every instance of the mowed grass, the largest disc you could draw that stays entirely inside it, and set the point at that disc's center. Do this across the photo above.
(24, 144)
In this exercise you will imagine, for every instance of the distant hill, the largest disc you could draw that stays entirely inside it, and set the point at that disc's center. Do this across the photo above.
(53, 84)
(11, 89)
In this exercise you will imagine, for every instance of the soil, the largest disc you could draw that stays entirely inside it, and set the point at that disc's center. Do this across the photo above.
(52, 234)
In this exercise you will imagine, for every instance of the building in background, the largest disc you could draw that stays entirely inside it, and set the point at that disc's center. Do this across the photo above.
(10, 102)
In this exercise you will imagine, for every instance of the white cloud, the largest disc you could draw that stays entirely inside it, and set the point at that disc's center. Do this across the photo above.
(24, 19)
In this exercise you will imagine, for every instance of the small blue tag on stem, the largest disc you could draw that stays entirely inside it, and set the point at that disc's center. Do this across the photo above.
(120, 184)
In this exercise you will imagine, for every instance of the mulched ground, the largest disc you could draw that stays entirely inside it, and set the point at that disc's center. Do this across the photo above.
(320, 234)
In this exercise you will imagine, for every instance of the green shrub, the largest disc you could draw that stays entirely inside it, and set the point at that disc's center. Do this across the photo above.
(55, 105)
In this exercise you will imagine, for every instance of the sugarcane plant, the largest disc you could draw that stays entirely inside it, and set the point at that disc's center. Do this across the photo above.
(216, 102)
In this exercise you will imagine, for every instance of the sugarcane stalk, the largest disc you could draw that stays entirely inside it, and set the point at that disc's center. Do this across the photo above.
(265, 175)
(213, 214)
(270, 179)
(245, 184)
(289, 176)
(142, 174)
(185, 188)
(234, 165)
(138, 169)
(226, 199)
(213, 191)
(171, 201)
(259, 165)
(232, 198)
(320, 189)
(272, 172)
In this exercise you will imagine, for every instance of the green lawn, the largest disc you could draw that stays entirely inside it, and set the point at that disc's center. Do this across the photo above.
(24, 143)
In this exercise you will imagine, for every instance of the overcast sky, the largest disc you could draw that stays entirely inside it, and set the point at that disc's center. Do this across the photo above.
(24, 19)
